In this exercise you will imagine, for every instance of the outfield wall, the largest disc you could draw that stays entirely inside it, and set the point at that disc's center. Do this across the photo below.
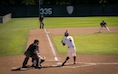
(64, 10)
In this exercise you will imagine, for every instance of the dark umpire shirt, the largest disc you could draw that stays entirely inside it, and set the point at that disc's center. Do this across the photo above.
(31, 50)
(41, 18)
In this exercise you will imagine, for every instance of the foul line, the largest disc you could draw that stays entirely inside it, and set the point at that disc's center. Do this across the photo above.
(86, 64)
(51, 45)
(112, 63)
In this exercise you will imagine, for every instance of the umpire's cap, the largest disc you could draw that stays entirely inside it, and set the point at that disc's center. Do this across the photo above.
(66, 34)
(35, 41)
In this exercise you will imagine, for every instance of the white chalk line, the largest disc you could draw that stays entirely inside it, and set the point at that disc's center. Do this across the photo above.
(51, 45)
(84, 64)
(112, 63)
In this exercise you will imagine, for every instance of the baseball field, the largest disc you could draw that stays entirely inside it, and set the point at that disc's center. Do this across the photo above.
(96, 52)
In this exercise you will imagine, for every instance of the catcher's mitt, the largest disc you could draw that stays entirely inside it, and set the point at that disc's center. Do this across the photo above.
(42, 60)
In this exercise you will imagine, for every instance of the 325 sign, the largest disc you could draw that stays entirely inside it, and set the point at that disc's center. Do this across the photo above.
(46, 11)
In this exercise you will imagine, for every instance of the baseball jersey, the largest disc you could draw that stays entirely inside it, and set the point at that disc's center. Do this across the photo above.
(103, 24)
(69, 42)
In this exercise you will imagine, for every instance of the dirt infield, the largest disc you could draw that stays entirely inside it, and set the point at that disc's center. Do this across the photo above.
(86, 64)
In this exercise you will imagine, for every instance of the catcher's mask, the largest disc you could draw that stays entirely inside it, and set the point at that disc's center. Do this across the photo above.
(35, 41)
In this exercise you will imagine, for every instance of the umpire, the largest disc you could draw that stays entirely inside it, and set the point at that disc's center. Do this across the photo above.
(32, 52)
(41, 19)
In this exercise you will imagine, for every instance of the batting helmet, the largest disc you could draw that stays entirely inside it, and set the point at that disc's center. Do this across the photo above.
(66, 34)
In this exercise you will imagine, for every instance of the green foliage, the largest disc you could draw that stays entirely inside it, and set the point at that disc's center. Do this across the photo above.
(29, 2)
(101, 44)
(55, 2)
(19, 2)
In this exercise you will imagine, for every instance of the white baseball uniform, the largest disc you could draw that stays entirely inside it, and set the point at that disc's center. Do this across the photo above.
(69, 41)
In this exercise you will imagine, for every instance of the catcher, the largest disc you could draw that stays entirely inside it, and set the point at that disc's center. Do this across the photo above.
(69, 41)
(34, 53)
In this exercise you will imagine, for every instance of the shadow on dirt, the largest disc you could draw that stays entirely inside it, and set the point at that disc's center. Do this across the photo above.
(29, 67)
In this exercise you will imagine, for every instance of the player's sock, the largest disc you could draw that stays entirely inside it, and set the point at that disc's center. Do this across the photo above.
(65, 61)
(74, 59)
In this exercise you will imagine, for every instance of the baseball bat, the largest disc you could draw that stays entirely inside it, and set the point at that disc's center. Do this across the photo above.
(64, 33)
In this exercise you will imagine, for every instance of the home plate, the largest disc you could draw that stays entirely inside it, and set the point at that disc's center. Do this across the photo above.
(59, 63)
(15, 68)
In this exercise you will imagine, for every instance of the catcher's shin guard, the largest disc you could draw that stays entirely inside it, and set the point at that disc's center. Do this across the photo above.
(37, 62)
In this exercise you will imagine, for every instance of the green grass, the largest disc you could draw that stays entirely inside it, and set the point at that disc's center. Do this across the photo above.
(60, 22)
(14, 33)
(98, 44)
(101, 44)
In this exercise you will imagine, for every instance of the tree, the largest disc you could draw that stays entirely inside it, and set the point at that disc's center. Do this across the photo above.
(29, 2)
(54, 2)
